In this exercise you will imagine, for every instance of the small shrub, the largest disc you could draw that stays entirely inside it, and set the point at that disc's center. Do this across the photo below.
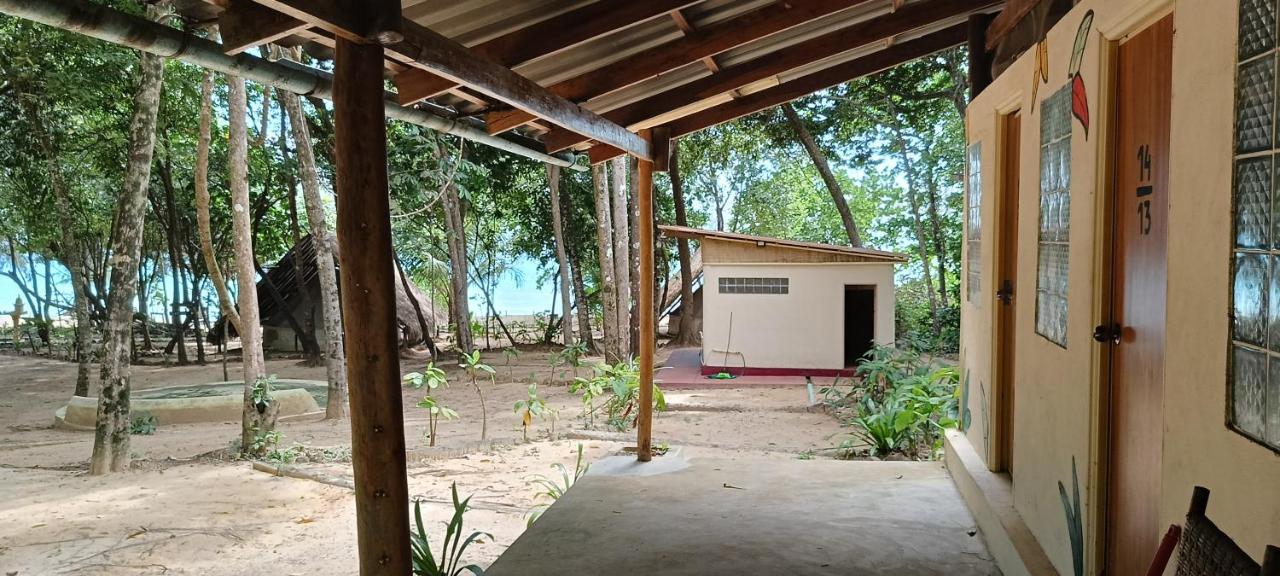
(431, 378)
(552, 490)
(472, 364)
(902, 404)
(143, 424)
(529, 408)
(452, 548)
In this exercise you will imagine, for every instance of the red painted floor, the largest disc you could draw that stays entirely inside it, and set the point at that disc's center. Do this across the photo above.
(682, 371)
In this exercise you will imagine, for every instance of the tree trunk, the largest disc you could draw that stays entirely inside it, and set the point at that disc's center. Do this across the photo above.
(581, 305)
(939, 242)
(633, 217)
(144, 307)
(900, 142)
(457, 239)
(111, 432)
(621, 259)
(604, 247)
(553, 181)
(72, 256)
(202, 205)
(685, 337)
(824, 169)
(175, 260)
(254, 424)
(330, 308)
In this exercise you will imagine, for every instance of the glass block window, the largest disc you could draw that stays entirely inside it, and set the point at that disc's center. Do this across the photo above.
(1253, 382)
(755, 285)
(973, 225)
(1055, 217)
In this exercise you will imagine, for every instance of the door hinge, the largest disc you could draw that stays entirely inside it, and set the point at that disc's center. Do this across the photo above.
(1107, 333)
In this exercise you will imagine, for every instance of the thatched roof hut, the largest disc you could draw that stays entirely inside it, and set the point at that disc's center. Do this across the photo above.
(283, 306)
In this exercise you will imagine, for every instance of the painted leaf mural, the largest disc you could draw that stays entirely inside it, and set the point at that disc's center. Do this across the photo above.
(1080, 103)
(1075, 521)
(1079, 95)
(1040, 75)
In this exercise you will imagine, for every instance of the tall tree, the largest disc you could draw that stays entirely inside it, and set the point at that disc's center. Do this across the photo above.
(330, 308)
(621, 219)
(690, 323)
(456, 239)
(258, 421)
(824, 169)
(71, 247)
(204, 228)
(111, 432)
(604, 250)
(566, 303)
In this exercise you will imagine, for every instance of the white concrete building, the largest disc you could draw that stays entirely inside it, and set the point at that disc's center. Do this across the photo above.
(774, 307)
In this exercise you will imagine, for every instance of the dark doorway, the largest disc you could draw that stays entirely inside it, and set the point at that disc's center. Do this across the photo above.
(859, 322)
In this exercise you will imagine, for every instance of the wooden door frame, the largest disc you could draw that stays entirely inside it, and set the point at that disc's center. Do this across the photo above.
(1136, 18)
(1001, 457)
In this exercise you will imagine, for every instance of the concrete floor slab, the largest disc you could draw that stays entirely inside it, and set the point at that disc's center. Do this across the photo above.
(756, 516)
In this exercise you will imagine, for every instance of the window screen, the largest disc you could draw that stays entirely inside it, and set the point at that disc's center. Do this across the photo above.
(973, 225)
(1253, 384)
(1055, 217)
(755, 285)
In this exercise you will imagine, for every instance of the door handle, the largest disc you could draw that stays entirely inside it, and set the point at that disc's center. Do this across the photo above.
(1005, 294)
(1107, 333)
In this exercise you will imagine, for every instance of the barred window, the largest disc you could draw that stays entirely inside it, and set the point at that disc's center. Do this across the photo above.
(973, 225)
(755, 285)
(1253, 384)
(1055, 217)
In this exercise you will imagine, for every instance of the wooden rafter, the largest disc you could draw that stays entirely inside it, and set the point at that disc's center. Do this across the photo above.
(700, 43)
(245, 24)
(542, 39)
(805, 85)
(1014, 11)
(433, 52)
(876, 30)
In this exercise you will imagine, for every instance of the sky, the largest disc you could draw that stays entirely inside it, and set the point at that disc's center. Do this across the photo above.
(516, 294)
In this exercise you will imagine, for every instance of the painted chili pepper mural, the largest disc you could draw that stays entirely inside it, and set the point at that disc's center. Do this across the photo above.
(1079, 95)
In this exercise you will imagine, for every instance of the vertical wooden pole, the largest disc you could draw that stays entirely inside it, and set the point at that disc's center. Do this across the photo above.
(644, 309)
(369, 311)
(979, 58)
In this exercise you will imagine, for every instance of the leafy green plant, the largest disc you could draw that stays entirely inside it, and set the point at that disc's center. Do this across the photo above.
(551, 490)
(143, 424)
(574, 354)
(452, 548)
(264, 442)
(621, 408)
(589, 389)
(1075, 522)
(510, 353)
(431, 378)
(886, 427)
(529, 408)
(472, 364)
(263, 391)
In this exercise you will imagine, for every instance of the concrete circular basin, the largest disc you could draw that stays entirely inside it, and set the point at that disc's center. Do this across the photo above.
(186, 404)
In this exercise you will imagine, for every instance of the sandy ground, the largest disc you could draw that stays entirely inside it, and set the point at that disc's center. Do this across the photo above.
(183, 509)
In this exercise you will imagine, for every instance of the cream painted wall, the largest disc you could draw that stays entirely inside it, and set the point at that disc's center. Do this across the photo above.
(802, 329)
(1059, 400)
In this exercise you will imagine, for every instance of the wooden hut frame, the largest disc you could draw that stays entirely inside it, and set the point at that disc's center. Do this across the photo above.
(622, 92)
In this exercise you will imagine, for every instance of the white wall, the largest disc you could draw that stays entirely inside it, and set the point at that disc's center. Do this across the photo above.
(801, 329)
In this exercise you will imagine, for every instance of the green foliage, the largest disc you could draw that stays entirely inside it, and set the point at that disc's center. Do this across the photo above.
(901, 404)
(620, 385)
(452, 548)
(510, 353)
(431, 378)
(472, 364)
(144, 424)
(264, 442)
(1075, 521)
(529, 408)
(263, 391)
(551, 490)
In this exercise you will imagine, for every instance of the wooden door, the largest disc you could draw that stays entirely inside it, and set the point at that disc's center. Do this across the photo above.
(1140, 199)
(1006, 283)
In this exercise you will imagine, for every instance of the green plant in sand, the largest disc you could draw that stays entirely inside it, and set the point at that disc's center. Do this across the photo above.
(431, 378)
(550, 490)
(472, 364)
(452, 548)
(529, 408)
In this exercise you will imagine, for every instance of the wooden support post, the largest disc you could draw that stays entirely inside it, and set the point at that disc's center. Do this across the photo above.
(644, 306)
(369, 310)
(979, 58)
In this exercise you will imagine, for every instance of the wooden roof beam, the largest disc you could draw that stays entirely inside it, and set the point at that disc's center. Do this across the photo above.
(542, 39)
(245, 24)
(1004, 23)
(695, 46)
(805, 85)
(444, 57)
(863, 33)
